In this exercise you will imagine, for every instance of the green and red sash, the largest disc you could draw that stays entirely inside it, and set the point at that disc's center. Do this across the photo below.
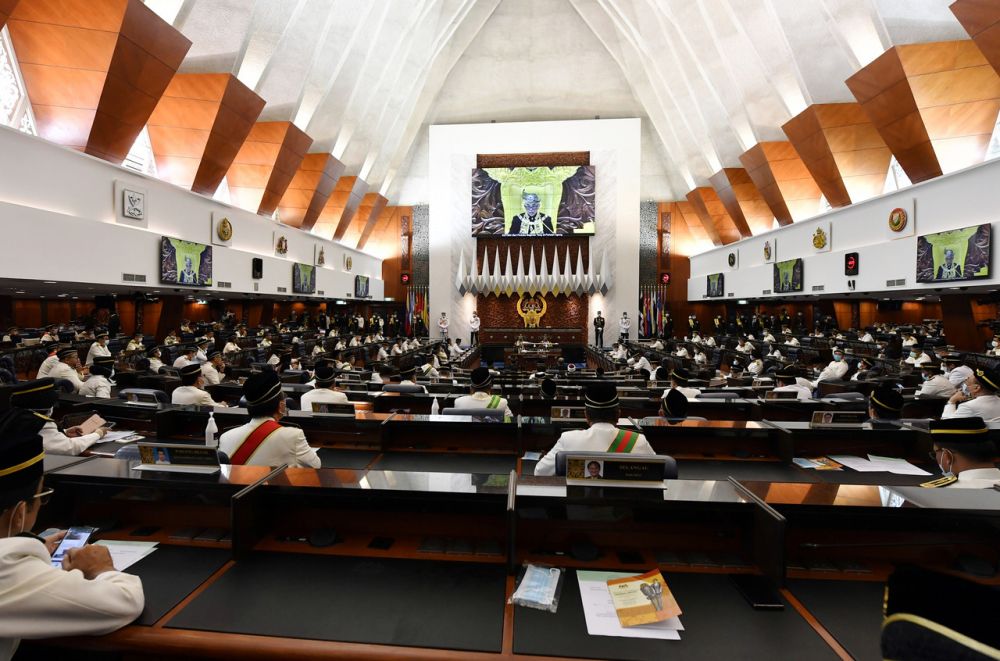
(623, 442)
(252, 442)
(494, 402)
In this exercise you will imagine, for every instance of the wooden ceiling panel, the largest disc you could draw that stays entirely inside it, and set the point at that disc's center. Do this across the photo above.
(712, 213)
(783, 180)
(343, 204)
(200, 119)
(369, 221)
(293, 150)
(111, 59)
(310, 189)
(948, 91)
(981, 19)
(263, 164)
(6, 9)
(742, 201)
(841, 149)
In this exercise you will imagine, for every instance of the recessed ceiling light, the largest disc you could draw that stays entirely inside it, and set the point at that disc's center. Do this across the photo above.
(50, 282)
(63, 295)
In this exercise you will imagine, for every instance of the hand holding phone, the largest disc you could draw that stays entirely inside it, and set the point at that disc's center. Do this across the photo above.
(91, 560)
(75, 538)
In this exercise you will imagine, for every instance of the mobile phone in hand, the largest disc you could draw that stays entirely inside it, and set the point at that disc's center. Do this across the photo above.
(76, 537)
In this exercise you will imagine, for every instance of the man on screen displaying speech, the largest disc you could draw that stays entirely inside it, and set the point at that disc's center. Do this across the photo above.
(532, 221)
(188, 275)
(949, 270)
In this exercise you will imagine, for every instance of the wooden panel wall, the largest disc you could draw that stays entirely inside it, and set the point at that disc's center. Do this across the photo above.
(561, 312)
(310, 190)
(746, 206)
(981, 19)
(265, 165)
(341, 207)
(372, 205)
(6, 9)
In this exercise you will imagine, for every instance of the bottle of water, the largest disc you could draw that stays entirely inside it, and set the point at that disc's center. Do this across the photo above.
(211, 429)
(434, 407)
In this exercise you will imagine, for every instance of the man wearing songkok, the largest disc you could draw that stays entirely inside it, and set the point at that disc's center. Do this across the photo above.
(481, 397)
(191, 390)
(964, 453)
(40, 397)
(262, 441)
(602, 411)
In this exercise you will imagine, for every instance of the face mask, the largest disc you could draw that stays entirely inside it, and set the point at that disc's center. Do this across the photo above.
(10, 526)
(838, 358)
(913, 354)
(995, 343)
(945, 473)
(927, 377)
(965, 390)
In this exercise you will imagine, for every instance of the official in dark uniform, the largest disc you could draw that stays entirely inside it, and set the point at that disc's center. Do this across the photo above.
(599, 330)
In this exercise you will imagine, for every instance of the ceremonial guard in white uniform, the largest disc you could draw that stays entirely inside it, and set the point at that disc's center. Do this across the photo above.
(474, 324)
(602, 411)
(481, 398)
(263, 441)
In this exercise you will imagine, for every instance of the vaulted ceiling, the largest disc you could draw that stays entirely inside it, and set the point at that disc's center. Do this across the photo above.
(755, 110)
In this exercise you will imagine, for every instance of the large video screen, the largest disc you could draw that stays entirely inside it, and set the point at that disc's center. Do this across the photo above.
(185, 263)
(954, 255)
(361, 286)
(535, 201)
(788, 276)
(716, 284)
(303, 279)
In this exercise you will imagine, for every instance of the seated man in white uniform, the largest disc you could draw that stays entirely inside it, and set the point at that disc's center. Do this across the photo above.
(964, 453)
(642, 363)
(681, 351)
(935, 383)
(836, 370)
(99, 384)
(602, 412)
(955, 370)
(213, 368)
(84, 597)
(977, 398)
(232, 347)
(323, 389)
(191, 390)
(785, 381)
(50, 361)
(135, 344)
(153, 353)
(98, 348)
(185, 357)
(917, 356)
(407, 375)
(679, 379)
(40, 397)
(481, 382)
(68, 367)
(263, 441)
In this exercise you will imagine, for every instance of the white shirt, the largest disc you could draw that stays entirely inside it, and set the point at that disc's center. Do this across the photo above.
(958, 375)
(909, 342)
(700, 358)
(56, 442)
(986, 407)
(474, 324)
(867, 337)
(756, 367)
(793, 342)
(63, 371)
(192, 395)
(625, 323)
(801, 391)
(182, 361)
(768, 337)
(709, 342)
(443, 323)
(42, 601)
(976, 478)
(318, 349)
(595, 439)
(273, 360)
(48, 337)
(919, 360)
(642, 364)
(134, 346)
(746, 347)
(835, 370)
(382, 355)
(201, 357)
(937, 386)
(656, 345)
(46, 366)
(231, 347)
(690, 393)
(211, 374)
(322, 395)
(171, 339)
(96, 386)
(775, 354)
(286, 445)
(96, 350)
(396, 351)
(681, 352)
(480, 400)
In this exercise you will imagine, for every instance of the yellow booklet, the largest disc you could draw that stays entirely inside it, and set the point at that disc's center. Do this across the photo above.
(643, 599)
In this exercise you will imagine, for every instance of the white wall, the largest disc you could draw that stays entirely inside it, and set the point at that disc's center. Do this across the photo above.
(59, 210)
(964, 198)
(614, 146)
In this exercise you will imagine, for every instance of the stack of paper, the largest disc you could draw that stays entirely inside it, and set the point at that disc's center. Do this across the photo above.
(877, 464)
(602, 618)
(121, 437)
(124, 554)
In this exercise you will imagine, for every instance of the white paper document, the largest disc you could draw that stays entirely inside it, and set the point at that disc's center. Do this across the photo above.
(602, 620)
(123, 436)
(532, 456)
(897, 466)
(857, 463)
(125, 554)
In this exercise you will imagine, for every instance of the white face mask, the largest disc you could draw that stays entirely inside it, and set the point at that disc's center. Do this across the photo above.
(965, 390)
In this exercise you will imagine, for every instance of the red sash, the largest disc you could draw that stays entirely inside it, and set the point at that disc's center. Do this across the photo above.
(253, 441)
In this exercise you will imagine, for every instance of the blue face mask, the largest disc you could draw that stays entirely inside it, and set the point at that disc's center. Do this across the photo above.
(837, 358)
(913, 354)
